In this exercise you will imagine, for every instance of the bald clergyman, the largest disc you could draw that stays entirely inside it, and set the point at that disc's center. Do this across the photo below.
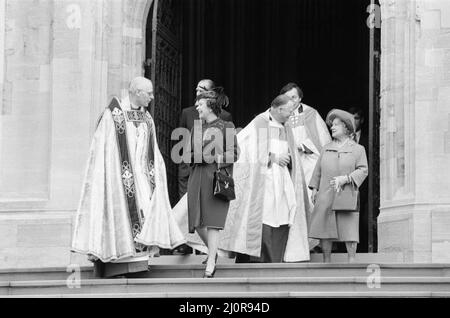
(124, 213)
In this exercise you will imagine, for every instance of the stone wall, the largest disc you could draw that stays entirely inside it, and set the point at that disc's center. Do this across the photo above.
(61, 62)
(415, 95)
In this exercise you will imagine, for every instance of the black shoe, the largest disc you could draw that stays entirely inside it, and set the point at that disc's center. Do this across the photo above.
(182, 250)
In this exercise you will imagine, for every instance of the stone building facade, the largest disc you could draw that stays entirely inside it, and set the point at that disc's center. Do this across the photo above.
(61, 62)
(415, 130)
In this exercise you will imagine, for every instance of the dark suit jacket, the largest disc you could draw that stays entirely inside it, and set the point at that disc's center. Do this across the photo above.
(188, 115)
(364, 140)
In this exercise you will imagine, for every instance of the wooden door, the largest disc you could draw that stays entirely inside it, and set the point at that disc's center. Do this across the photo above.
(164, 69)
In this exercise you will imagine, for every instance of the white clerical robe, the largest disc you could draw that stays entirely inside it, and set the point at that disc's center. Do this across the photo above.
(103, 224)
(313, 135)
(279, 194)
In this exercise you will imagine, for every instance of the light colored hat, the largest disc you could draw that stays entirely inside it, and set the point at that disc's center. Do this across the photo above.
(346, 117)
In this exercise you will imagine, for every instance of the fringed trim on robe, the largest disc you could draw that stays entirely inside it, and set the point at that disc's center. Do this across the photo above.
(102, 224)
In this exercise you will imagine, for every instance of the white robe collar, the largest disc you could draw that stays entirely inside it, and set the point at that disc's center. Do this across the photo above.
(272, 121)
(125, 104)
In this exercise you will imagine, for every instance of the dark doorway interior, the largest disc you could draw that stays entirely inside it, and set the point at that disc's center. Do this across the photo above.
(254, 47)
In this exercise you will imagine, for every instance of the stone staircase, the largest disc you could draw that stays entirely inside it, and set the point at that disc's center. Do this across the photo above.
(181, 277)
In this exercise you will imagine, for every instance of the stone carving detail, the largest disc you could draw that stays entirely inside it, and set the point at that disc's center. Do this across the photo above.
(397, 72)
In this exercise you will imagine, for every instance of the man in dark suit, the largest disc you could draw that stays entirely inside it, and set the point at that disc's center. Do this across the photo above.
(362, 138)
(187, 118)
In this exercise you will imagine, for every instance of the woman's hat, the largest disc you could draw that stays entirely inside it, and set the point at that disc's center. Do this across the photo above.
(346, 118)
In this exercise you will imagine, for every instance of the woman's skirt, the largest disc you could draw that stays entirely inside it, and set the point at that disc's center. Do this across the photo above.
(339, 226)
(204, 209)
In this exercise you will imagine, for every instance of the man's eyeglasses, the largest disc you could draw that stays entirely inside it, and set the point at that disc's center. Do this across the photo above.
(150, 94)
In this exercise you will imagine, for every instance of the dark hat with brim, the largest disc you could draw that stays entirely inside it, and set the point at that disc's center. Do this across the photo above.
(346, 118)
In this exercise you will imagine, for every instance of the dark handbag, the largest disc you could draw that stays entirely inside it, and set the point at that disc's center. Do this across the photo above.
(347, 199)
(223, 185)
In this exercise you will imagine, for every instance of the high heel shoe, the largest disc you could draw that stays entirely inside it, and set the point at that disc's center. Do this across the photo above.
(206, 260)
(208, 274)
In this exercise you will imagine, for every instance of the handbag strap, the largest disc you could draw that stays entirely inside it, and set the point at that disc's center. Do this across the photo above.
(352, 183)
(218, 168)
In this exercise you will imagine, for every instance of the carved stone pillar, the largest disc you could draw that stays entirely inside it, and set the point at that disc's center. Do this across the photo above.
(415, 178)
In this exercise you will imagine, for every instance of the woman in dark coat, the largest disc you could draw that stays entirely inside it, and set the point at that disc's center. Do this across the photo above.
(214, 145)
(341, 162)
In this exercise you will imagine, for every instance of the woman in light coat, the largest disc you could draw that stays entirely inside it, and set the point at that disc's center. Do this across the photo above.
(341, 162)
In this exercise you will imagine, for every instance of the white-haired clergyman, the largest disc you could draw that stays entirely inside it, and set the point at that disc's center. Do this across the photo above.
(124, 213)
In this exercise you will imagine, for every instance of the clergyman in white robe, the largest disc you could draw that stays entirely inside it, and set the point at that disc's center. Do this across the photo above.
(124, 213)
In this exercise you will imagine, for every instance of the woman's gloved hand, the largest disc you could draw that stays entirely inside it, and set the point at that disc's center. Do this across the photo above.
(338, 182)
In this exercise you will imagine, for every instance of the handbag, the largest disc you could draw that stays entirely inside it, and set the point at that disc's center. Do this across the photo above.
(223, 184)
(347, 199)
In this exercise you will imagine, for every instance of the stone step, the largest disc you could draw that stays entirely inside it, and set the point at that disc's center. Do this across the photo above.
(41, 273)
(227, 285)
(249, 295)
(50, 273)
(363, 258)
(298, 270)
(228, 270)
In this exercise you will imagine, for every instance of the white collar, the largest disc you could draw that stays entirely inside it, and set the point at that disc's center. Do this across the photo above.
(272, 120)
(126, 104)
